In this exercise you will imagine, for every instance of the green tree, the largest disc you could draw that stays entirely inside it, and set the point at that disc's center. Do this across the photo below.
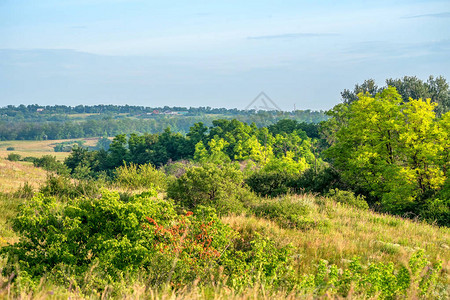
(390, 149)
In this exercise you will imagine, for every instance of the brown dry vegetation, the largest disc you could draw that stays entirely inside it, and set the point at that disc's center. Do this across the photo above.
(14, 174)
(39, 148)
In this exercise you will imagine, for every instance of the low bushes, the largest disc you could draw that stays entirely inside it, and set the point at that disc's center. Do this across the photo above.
(380, 280)
(134, 176)
(13, 157)
(348, 198)
(99, 241)
(49, 163)
(66, 188)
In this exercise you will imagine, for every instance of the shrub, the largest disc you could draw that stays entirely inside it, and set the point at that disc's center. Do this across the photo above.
(348, 198)
(25, 191)
(84, 230)
(10, 149)
(380, 280)
(14, 157)
(219, 186)
(287, 212)
(140, 176)
(272, 184)
(115, 237)
(176, 169)
(263, 263)
(319, 181)
(64, 187)
(49, 163)
(29, 159)
(436, 211)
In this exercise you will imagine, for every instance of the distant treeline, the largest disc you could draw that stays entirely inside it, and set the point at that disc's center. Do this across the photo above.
(40, 113)
(20, 129)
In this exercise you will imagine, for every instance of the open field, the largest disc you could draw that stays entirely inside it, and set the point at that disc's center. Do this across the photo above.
(40, 148)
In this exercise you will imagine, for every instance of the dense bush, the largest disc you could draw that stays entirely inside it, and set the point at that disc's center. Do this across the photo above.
(319, 180)
(436, 211)
(29, 159)
(10, 149)
(104, 230)
(348, 198)
(273, 183)
(13, 157)
(312, 180)
(97, 241)
(49, 163)
(219, 186)
(140, 176)
(64, 187)
(288, 212)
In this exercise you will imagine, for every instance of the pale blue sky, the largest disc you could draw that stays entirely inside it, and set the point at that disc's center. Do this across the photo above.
(214, 53)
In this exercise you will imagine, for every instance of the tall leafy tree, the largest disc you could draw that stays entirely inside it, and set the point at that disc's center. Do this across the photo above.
(389, 148)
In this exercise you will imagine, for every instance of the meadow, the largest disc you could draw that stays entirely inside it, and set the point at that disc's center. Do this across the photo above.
(328, 230)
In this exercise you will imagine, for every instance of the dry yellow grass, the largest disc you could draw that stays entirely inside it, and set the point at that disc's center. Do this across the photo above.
(39, 148)
(14, 174)
(347, 232)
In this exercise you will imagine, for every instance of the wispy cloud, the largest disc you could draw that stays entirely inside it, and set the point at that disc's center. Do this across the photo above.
(291, 36)
(436, 15)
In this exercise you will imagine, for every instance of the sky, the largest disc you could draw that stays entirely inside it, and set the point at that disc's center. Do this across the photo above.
(214, 53)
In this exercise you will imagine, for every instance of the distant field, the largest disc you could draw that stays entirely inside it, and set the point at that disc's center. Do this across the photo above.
(39, 148)
(82, 115)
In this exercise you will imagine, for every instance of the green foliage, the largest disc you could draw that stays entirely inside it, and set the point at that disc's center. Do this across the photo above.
(103, 230)
(64, 187)
(49, 163)
(13, 157)
(436, 211)
(261, 262)
(272, 184)
(67, 146)
(103, 144)
(320, 181)
(286, 164)
(113, 237)
(380, 280)
(140, 176)
(392, 150)
(348, 198)
(437, 89)
(29, 159)
(10, 148)
(25, 191)
(287, 212)
(209, 184)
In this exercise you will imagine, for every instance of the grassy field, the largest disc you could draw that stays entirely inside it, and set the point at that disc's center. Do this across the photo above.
(344, 232)
(339, 233)
(14, 174)
(39, 148)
